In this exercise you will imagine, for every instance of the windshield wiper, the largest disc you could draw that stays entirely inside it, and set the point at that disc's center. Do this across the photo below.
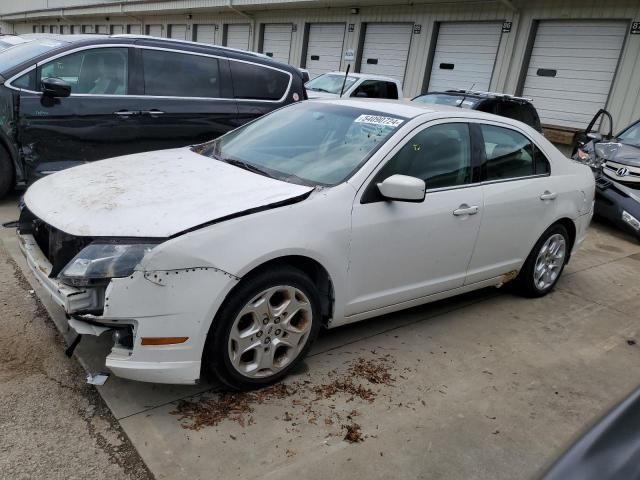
(317, 89)
(247, 166)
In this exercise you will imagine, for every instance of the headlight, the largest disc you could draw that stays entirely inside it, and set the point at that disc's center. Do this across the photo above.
(99, 262)
(630, 220)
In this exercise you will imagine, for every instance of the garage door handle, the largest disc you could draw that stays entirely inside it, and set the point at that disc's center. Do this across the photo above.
(547, 195)
(465, 209)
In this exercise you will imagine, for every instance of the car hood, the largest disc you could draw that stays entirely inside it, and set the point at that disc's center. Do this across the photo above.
(627, 155)
(153, 194)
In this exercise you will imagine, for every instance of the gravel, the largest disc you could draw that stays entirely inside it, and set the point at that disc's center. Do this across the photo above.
(53, 424)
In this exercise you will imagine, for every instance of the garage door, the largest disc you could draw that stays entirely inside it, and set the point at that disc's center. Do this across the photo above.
(277, 41)
(178, 31)
(87, 29)
(386, 48)
(117, 29)
(571, 69)
(102, 29)
(154, 30)
(324, 48)
(238, 36)
(134, 29)
(465, 55)
(205, 33)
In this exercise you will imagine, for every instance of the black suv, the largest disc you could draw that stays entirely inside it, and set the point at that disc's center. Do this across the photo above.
(66, 100)
(517, 108)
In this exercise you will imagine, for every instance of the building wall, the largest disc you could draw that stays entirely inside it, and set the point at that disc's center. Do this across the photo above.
(624, 101)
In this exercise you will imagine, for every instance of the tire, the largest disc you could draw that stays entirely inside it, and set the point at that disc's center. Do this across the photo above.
(254, 341)
(529, 282)
(6, 173)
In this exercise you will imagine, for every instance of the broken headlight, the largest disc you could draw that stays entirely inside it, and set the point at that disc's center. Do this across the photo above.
(98, 262)
(588, 158)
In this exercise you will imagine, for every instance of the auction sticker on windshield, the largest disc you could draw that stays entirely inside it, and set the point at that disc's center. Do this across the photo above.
(379, 120)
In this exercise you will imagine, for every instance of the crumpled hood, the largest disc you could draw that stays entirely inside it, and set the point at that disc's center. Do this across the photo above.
(627, 155)
(153, 194)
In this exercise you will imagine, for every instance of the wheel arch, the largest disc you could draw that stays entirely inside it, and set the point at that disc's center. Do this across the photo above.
(570, 226)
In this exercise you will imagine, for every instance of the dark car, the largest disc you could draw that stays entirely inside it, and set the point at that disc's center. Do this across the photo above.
(608, 451)
(66, 100)
(615, 161)
(517, 108)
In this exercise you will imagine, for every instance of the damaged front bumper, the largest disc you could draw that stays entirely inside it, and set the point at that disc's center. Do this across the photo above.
(153, 304)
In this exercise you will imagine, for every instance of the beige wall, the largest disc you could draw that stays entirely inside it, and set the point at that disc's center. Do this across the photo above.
(624, 101)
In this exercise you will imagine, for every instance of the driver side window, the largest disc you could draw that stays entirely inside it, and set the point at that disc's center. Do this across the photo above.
(100, 71)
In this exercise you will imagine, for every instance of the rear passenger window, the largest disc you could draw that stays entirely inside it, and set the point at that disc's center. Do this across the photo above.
(253, 82)
(174, 74)
(541, 164)
(376, 89)
(509, 154)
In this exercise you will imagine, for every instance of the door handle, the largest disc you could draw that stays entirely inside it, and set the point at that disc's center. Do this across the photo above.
(152, 112)
(547, 195)
(465, 209)
(124, 113)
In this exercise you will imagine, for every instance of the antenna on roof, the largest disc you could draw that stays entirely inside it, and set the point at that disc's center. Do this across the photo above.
(344, 82)
(464, 97)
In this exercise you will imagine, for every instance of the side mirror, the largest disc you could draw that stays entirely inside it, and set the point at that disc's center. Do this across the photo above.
(55, 88)
(403, 188)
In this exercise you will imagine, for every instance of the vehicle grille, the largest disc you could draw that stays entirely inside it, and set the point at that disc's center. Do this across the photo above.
(59, 247)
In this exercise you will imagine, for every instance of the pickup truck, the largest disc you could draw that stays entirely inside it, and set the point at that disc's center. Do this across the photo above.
(362, 85)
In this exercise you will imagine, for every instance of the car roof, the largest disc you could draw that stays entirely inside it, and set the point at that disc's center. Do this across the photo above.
(365, 75)
(409, 109)
(480, 95)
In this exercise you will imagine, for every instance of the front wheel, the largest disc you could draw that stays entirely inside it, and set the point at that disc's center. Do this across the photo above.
(545, 263)
(264, 329)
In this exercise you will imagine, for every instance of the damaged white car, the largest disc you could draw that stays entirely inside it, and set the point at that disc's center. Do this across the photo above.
(228, 257)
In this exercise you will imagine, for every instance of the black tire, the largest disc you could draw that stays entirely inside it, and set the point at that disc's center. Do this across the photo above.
(525, 283)
(6, 173)
(217, 362)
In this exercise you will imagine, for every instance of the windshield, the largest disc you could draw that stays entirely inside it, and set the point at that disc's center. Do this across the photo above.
(330, 83)
(631, 136)
(17, 54)
(446, 99)
(310, 143)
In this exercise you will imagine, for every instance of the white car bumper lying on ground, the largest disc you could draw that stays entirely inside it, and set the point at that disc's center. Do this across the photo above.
(228, 257)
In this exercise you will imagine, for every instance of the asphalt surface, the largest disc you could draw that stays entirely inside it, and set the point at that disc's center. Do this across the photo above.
(483, 386)
(53, 425)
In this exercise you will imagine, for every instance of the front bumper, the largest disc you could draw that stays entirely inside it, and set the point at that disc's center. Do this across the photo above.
(612, 198)
(182, 304)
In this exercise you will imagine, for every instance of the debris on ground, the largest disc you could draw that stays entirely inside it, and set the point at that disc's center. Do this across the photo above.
(353, 433)
(97, 378)
(352, 385)
(631, 342)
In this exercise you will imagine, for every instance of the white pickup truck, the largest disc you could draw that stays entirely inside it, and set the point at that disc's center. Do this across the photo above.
(362, 85)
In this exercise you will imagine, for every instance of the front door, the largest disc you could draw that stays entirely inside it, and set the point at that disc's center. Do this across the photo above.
(86, 126)
(401, 251)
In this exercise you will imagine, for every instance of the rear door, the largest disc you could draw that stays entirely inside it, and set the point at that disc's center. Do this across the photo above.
(91, 124)
(520, 199)
(187, 98)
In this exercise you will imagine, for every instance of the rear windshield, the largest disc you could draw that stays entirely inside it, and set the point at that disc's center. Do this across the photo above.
(446, 99)
(18, 54)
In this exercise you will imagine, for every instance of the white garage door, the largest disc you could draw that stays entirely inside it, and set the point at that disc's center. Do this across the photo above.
(87, 29)
(386, 48)
(154, 30)
(102, 29)
(134, 29)
(571, 69)
(324, 49)
(117, 29)
(465, 55)
(179, 32)
(277, 41)
(238, 36)
(205, 33)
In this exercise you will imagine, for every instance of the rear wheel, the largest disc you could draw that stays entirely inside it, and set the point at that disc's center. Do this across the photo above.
(6, 173)
(545, 263)
(264, 330)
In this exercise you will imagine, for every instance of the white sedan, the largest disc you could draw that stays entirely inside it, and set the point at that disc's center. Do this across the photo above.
(227, 258)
